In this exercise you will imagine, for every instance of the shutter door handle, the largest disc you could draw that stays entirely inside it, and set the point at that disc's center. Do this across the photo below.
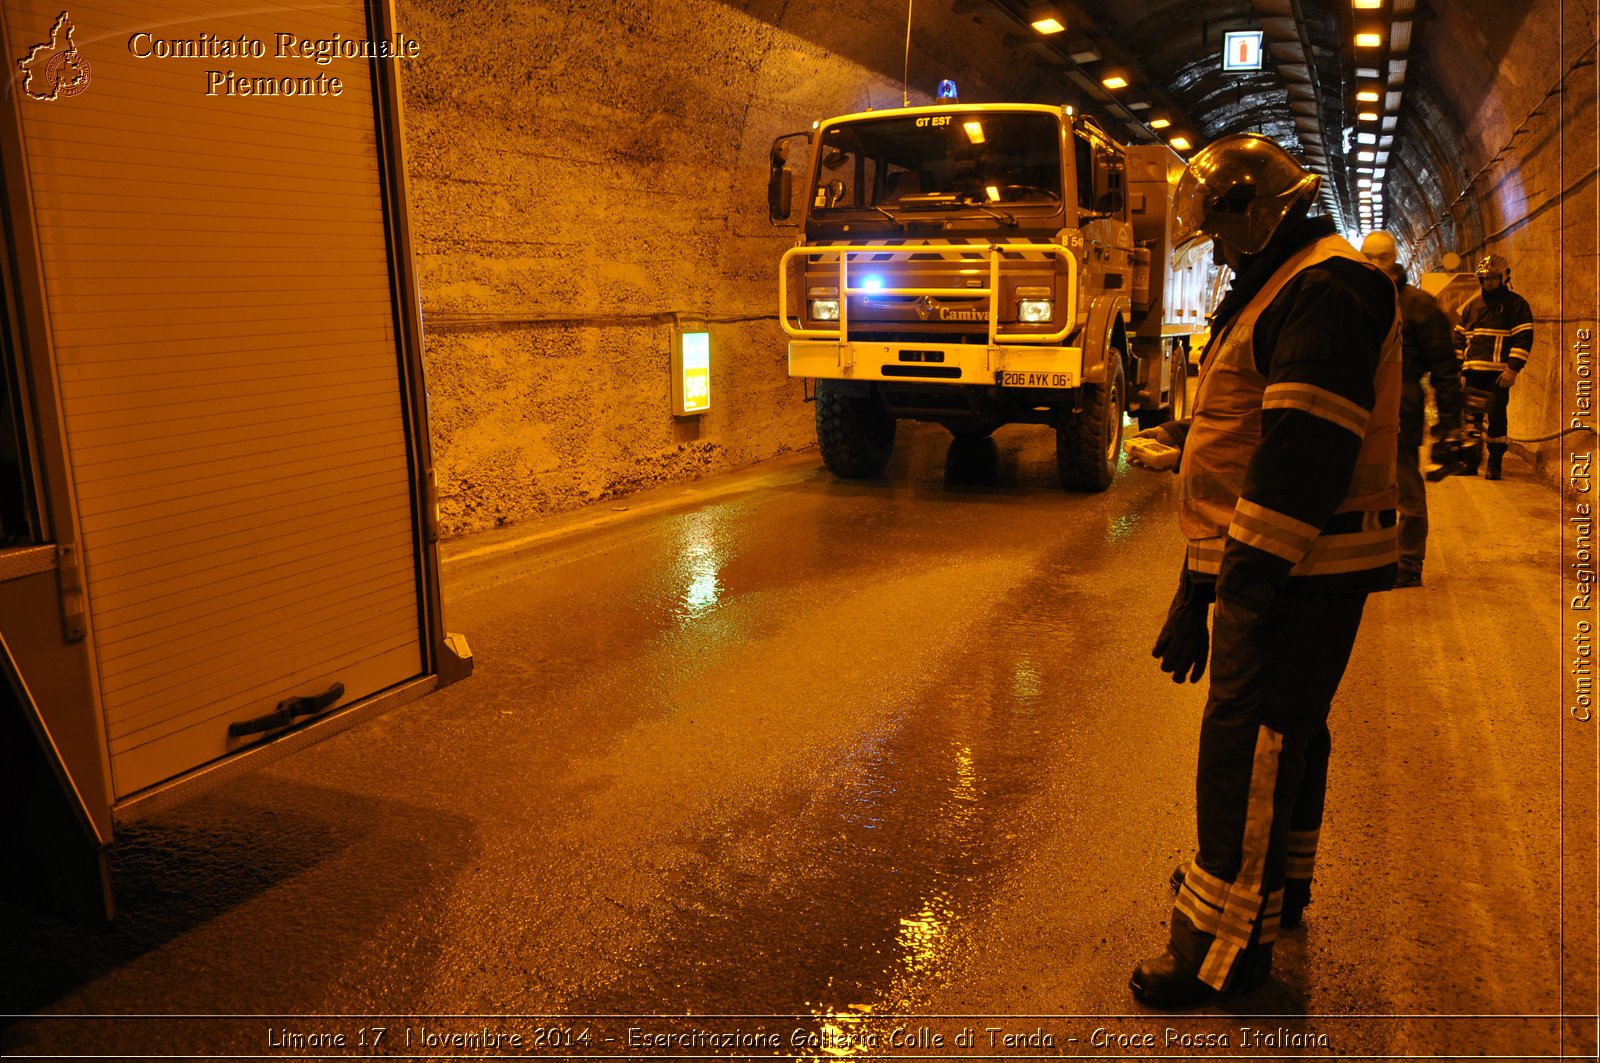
(289, 710)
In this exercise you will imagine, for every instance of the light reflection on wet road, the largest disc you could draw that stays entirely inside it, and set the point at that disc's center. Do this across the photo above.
(816, 748)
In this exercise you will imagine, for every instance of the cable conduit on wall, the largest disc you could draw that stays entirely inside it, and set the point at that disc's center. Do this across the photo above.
(1584, 59)
(442, 322)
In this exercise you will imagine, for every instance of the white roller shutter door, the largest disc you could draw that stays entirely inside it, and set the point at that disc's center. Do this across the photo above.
(217, 281)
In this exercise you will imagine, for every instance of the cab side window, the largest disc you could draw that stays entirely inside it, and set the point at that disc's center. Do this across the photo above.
(1083, 160)
(1099, 171)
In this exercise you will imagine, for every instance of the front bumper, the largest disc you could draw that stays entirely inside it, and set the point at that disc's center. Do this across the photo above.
(938, 363)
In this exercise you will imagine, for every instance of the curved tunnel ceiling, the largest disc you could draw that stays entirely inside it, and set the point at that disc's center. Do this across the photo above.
(1423, 75)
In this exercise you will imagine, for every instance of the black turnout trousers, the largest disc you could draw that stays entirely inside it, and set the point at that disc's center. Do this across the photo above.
(1262, 777)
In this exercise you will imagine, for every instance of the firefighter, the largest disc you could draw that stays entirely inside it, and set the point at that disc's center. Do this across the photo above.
(1426, 350)
(1495, 337)
(1287, 500)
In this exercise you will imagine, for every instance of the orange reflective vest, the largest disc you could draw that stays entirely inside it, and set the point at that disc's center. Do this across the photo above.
(1226, 430)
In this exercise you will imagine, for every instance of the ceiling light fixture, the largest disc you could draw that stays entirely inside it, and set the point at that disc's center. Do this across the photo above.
(1115, 81)
(1082, 50)
(1046, 19)
(1369, 40)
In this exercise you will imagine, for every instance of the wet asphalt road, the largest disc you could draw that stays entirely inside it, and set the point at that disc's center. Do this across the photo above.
(838, 756)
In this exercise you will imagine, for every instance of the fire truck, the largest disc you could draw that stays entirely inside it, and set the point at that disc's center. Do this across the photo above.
(218, 520)
(975, 265)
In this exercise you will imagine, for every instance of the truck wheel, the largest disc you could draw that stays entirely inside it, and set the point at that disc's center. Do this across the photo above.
(855, 433)
(1178, 408)
(1089, 443)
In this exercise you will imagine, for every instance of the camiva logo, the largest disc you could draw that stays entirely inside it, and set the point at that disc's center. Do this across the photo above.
(55, 69)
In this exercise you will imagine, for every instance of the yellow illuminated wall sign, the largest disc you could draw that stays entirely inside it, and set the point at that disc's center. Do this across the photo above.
(691, 373)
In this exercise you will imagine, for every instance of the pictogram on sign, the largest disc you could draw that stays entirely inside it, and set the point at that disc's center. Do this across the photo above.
(1241, 50)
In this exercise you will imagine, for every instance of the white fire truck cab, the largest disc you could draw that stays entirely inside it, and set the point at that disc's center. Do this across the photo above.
(975, 265)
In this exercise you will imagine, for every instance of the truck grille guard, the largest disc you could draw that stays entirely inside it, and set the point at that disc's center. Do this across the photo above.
(1066, 308)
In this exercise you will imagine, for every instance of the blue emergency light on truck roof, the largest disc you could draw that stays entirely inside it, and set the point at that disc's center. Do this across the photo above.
(947, 90)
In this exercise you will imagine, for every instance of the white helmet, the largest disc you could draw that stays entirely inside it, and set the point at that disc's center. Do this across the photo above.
(1380, 249)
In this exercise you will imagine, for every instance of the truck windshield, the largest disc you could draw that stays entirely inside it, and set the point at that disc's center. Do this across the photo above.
(933, 161)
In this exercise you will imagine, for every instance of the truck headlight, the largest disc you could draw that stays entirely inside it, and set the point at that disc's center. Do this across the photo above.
(1035, 311)
(824, 303)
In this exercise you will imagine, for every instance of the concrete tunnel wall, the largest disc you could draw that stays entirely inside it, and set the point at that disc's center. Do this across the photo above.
(581, 171)
(1497, 154)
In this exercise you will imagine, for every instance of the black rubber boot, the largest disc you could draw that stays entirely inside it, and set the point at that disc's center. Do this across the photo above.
(1165, 982)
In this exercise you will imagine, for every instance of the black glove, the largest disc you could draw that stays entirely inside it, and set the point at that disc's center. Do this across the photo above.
(1185, 642)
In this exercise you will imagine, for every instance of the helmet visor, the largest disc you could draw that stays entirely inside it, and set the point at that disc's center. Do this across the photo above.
(1188, 215)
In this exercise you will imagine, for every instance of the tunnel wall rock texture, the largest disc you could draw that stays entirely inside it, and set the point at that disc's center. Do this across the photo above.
(582, 171)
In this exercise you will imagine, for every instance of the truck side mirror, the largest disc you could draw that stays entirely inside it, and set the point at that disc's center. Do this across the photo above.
(780, 192)
(780, 182)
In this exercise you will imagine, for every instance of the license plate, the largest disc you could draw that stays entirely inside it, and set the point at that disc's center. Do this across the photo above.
(1035, 380)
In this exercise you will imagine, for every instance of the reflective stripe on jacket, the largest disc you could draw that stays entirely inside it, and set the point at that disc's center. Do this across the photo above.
(1495, 333)
(1227, 429)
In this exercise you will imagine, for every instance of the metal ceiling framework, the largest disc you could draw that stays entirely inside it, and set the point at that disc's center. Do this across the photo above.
(1327, 99)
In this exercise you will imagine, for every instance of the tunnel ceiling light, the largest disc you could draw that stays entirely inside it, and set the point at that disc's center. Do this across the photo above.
(1139, 105)
(1369, 40)
(1367, 116)
(1366, 156)
(1367, 5)
(1179, 143)
(1367, 96)
(1114, 81)
(1366, 138)
(1159, 123)
(1363, 182)
(1046, 19)
(974, 130)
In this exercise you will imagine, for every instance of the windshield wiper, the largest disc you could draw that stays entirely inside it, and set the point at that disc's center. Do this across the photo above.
(892, 217)
(1001, 215)
(949, 200)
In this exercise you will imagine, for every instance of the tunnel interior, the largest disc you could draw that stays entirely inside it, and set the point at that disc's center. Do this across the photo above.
(601, 172)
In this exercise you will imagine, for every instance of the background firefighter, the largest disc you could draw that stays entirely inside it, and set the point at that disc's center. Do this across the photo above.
(1287, 495)
(1495, 337)
(1426, 350)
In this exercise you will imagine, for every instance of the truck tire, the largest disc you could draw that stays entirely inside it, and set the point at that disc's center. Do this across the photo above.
(1178, 408)
(855, 434)
(1089, 443)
